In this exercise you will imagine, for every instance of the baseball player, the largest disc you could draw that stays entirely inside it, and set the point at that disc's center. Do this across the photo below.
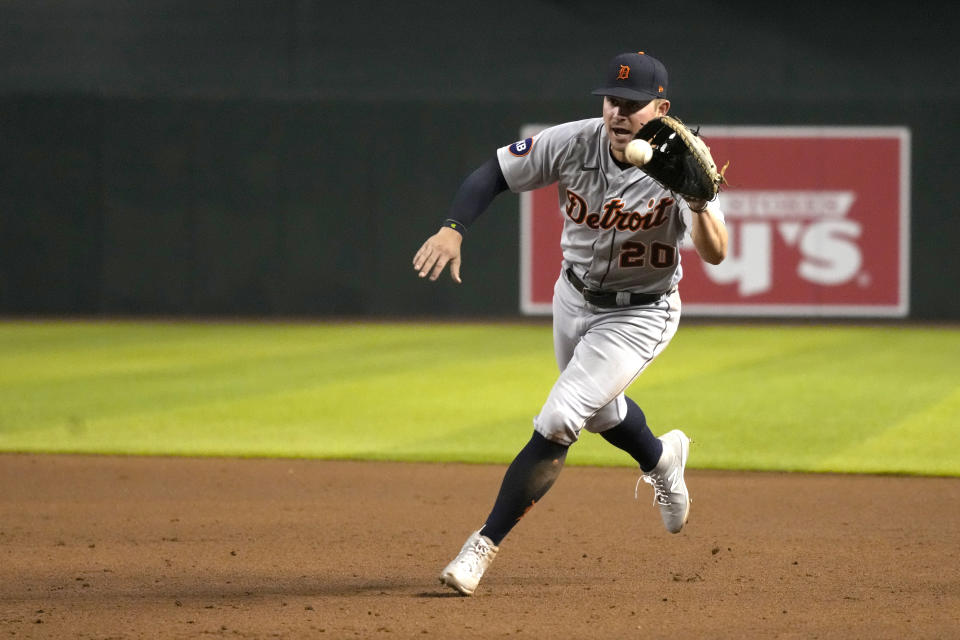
(615, 303)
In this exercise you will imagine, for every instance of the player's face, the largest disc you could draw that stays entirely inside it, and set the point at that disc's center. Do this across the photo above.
(623, 118)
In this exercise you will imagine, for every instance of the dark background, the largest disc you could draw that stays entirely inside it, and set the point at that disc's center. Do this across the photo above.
(286, 158)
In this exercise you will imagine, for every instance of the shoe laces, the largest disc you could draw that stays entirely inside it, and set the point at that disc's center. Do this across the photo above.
(474, 555)
(660, 494)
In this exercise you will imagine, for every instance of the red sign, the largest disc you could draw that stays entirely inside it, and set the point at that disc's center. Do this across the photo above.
(818, 219)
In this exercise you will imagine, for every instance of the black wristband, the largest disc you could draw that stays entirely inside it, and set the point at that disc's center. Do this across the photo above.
(456, 225)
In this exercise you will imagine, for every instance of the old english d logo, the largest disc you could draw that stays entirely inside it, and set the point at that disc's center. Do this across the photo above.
(624, 72)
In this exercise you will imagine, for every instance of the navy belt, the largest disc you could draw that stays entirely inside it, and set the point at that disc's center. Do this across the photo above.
(599, 298)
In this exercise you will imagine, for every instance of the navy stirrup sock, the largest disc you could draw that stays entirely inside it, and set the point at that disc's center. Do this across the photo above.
(528, 478)
(634, 436)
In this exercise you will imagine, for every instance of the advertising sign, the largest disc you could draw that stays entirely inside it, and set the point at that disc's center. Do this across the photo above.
(818, 219)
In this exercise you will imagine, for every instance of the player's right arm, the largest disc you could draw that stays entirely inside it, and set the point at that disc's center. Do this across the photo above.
(439, 250)
(472, 199)
(522, 166)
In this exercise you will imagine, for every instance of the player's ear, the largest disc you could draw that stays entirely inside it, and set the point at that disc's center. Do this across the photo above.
(662, 107)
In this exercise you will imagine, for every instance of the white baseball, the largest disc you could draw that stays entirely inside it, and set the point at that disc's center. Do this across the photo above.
(639, 152)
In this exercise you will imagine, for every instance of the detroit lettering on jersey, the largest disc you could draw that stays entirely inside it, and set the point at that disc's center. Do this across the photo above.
(614, 214)
(621, 230)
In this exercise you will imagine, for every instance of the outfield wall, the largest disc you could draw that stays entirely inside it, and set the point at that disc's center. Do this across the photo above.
(280, 158)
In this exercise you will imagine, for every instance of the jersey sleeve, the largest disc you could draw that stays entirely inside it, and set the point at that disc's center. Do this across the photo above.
(535, 162)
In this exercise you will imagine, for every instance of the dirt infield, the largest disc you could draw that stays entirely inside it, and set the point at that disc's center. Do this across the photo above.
(114, 547)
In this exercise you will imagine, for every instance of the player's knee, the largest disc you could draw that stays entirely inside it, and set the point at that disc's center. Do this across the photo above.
(557, 425)
(607, 417)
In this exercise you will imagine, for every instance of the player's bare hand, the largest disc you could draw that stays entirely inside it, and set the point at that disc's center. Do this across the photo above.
(440, 249)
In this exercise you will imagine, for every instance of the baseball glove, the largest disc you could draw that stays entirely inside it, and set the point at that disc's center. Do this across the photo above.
(681, 161)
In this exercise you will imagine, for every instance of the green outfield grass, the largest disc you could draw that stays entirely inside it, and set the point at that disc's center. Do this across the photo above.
(831, 398)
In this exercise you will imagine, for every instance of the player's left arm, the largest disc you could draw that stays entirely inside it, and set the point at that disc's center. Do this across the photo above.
(708, 232)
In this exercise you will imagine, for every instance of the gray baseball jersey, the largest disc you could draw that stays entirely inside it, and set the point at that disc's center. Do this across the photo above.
(622, 230)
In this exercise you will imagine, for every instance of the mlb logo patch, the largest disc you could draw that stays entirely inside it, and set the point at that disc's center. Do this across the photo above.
(521, 147)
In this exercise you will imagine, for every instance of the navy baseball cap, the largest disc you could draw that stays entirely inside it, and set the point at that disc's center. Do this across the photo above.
(634, 76)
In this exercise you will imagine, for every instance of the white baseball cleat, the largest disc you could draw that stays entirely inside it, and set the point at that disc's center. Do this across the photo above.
(669, 488)
(464, 573)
